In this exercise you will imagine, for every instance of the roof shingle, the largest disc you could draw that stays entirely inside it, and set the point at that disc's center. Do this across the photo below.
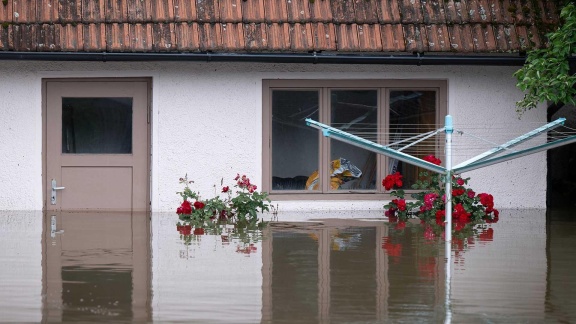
(465, 26)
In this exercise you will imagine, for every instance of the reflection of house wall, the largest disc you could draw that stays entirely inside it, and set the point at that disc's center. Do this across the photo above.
(21, 277)
(513, 271)
(205, 280)
(307, 254)
(562, 260)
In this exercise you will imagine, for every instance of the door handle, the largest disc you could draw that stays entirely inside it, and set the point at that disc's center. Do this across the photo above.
(54, 188)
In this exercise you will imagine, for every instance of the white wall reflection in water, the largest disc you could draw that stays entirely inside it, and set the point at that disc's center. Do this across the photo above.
(133, 268)
(210, 279)
(503, 277)
(20, 266)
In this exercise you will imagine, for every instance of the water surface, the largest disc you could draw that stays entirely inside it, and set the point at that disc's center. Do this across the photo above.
(140, 268)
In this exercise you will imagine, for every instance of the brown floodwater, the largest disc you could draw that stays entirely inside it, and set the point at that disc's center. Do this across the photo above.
(356, 268)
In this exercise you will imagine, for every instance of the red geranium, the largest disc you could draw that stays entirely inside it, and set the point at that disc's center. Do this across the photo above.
(199, 231)
(392, 180)
(487, 200)
(199, 205)
(432, 159)
(185, 208)
(225, 189)
(440, 215)
(401, 203)
(457, 192)
(460, 214)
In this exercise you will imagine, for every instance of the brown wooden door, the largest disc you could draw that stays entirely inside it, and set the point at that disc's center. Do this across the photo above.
(97, 144)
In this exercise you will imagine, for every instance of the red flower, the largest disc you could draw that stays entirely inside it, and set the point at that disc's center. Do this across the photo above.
(199, 231)
(401, 225)
(392, 180)
(432, 159)
(457, 192)
(429, 199)
(460, 182)
(495, 218)
(392, 218)
(185, 208)
(199, 205)
(458, 226)
(460, 214)
(486, 199)
(401, 203)
(471, 193)
(225, 189)
(440, 214)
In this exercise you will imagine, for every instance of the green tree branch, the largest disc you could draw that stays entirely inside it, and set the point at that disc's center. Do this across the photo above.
(546, 74)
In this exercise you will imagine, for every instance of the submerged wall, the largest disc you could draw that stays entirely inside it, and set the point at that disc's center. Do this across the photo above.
(207, 123)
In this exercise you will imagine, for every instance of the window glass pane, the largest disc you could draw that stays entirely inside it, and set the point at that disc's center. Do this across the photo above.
(412, 113)
(356, 112)
(97, 125)
(294, 145)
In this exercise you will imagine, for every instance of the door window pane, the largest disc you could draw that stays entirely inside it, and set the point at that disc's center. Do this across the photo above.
(294, 145)
(97, 125)
(356, 112)
(412, 113)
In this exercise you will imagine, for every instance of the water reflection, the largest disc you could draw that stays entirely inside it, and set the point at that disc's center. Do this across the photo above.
(137, 268)
(96, 267)
(332, 270)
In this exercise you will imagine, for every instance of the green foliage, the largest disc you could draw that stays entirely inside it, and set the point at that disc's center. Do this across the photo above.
(545, 75)
(240, 205)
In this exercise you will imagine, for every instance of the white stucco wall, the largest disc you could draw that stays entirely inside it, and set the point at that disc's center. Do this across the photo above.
(207, 123)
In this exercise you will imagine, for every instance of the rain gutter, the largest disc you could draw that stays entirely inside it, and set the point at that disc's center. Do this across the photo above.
(312, 58)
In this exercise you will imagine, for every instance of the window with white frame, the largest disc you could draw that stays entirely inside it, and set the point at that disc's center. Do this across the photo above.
(298, 160)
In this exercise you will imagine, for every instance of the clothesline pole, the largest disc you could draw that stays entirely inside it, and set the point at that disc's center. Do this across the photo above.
(449, 129)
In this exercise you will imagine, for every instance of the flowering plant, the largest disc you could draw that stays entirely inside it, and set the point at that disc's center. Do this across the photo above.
(468, 208)
(239, 206)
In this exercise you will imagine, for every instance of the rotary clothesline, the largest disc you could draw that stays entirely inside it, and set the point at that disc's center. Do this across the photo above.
(467, 141)
(498, 153)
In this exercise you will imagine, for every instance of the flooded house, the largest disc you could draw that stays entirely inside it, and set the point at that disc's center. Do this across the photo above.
(107, 104)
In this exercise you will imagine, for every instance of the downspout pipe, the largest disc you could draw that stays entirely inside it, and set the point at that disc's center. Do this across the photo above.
(312, 58)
